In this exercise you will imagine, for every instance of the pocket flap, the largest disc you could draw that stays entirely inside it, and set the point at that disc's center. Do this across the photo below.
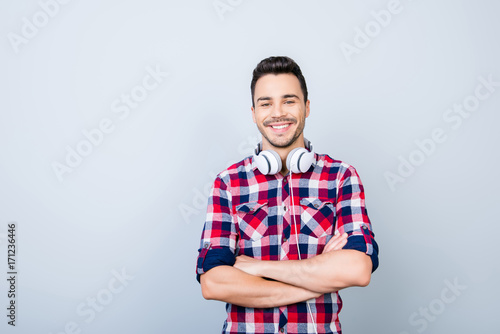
(314, 202)
(250, 207)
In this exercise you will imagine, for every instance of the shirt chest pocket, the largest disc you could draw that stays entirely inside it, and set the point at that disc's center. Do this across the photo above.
(252, 220)
(317, 216)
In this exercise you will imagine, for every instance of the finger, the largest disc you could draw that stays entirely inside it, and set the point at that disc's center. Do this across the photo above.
(341, 245)
(329, 246)
(334, 238)
(336, 244)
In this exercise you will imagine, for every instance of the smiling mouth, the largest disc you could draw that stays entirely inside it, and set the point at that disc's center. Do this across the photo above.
(282, 126)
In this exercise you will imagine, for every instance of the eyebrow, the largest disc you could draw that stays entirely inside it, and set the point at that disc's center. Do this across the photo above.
(286, 96)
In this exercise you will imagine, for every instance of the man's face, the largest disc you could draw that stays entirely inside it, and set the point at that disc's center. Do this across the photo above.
(280, 111)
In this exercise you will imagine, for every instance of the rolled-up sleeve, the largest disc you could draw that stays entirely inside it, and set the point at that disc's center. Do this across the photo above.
(352, 216)
(218, 239)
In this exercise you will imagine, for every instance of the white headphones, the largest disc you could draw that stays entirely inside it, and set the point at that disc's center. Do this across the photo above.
(299, 160)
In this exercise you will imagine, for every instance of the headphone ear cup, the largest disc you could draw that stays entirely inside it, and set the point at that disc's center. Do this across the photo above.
(299, 160)
(268, 162)
(306, 161)
(293, 158)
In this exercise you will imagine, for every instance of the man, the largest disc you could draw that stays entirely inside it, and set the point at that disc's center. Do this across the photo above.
(277, 246)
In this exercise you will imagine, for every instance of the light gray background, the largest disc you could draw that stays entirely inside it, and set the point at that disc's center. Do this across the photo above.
(120, 209)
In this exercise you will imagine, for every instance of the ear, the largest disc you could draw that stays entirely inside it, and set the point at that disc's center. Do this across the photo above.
(253, 114)
(307, 108)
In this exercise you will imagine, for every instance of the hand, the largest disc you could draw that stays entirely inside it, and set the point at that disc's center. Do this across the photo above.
(247, 264)
(336, 243)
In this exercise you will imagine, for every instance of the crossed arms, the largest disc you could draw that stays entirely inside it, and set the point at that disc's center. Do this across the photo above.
(292, 281)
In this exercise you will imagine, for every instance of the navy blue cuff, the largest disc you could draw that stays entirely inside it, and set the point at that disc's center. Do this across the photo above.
(358, 242)
(212, 258)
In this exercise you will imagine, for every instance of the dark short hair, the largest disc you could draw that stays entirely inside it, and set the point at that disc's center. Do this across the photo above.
(278, 65)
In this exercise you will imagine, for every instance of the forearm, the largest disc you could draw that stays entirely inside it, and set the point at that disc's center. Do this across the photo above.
(231, 285)
(323, 273)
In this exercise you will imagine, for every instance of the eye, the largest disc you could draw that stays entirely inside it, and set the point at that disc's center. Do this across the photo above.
(289, 102)
(264, 105)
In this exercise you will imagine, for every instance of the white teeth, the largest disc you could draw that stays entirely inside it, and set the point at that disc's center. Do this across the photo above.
(280, 126)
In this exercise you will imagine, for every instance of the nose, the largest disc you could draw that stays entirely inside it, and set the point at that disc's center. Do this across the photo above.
(277, 110)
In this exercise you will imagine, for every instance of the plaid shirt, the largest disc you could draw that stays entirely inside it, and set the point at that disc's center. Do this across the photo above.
(249, 213)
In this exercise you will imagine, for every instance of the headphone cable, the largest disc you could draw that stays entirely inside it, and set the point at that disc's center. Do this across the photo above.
(298, 246)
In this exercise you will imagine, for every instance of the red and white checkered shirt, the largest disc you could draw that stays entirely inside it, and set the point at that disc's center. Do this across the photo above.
(250, 213)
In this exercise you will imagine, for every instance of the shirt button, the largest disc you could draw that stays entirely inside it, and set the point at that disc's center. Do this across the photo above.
(282, 330)
(205, 246)
(316, 206)
(285, 239)
(364, 227)
(284, 208)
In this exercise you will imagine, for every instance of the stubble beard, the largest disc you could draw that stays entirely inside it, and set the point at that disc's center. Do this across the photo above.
(285, 143)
